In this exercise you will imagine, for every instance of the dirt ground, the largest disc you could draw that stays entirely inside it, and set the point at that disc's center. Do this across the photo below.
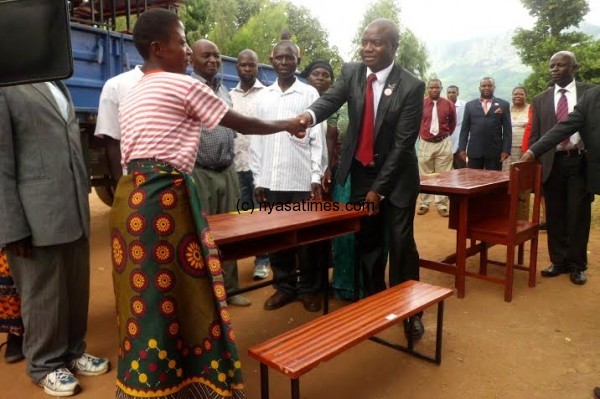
(545, 344)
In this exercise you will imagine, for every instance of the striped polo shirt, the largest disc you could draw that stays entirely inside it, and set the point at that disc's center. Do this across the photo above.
(161, 117)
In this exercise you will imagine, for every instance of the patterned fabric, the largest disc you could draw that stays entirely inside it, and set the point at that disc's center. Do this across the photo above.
(10, 303)
(175, 333)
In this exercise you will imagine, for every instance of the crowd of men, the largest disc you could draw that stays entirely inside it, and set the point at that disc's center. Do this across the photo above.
(394, 135)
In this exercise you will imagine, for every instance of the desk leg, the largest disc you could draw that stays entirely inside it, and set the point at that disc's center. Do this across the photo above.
(264, 381)
(295, 388)
(438, 333)
(461, 246)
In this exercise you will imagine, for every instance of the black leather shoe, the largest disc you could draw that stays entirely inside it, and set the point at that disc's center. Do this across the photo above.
(14, 349)
(578, 277)
(597, 393)
(417, 331)
(277, 300)
(311, 302)
(554, 270)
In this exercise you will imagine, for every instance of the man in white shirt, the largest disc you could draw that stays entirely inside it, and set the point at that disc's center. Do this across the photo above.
(107, 122)
(244, 97)
(452, 94)
(288, 170)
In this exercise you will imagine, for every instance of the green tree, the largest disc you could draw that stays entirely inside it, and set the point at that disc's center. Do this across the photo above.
(412, 53)
(553, 32)
(235, 25)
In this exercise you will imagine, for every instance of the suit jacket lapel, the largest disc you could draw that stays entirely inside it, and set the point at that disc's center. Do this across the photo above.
(359, 105)
(392, 83)
(45, 92)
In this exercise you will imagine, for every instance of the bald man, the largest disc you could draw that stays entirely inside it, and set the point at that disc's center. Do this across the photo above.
(568, 202)
(380, 159)
(214, 172)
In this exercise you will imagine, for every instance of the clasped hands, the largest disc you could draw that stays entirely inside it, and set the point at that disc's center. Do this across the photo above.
(298, 125)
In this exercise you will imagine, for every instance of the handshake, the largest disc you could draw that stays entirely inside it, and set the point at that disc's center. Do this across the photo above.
(297, 126)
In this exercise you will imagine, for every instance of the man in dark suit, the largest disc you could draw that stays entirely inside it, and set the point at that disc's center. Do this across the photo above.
(566, 167)
(385, 105)
(486, 133)
(45, 228)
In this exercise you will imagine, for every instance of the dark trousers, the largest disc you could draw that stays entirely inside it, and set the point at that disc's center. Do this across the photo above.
(568, 211)
(393, 225)
(284, 262)
(457, 162)
(485, 163)
(54, 285)
(246, 187)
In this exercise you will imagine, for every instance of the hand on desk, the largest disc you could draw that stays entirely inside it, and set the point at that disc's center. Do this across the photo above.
(261, 194)
(527, 157)
(463, 155)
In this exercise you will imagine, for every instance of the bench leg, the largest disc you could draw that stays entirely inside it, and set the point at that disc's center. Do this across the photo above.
(325, 282)
(264, 381)
(438, 333)
(295, 388)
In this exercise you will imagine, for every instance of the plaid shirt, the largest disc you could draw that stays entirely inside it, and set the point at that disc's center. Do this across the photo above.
(216, 149)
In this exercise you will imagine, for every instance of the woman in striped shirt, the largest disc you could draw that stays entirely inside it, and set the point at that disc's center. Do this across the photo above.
(175, 334)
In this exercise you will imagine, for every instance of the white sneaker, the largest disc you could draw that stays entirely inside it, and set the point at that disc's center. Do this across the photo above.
(261, 272)
(60, 382)
(90, 365)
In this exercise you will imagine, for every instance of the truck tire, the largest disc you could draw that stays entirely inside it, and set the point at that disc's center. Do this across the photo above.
(106, 194)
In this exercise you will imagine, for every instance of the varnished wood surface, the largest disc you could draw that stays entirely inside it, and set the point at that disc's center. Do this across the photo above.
(247, 234)
(464, 181)
(298, 351)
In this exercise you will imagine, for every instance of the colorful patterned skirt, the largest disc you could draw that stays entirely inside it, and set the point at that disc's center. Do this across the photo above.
(10, 303)
(175, 333)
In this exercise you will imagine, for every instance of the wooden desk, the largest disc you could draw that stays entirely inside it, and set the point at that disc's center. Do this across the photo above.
(246, 234)
(473, 193)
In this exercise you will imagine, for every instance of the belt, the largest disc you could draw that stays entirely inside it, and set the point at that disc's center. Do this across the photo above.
(215, 168)
(436, 139)
(570, 153)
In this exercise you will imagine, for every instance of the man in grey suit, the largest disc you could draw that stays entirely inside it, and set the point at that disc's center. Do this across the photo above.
(45, 227)
(379, 155)
(565, 169)
(486, 133)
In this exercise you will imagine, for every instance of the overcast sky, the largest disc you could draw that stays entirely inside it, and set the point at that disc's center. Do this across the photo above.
(431, 20)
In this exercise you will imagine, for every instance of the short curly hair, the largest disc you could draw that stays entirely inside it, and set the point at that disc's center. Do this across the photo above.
(153, 25)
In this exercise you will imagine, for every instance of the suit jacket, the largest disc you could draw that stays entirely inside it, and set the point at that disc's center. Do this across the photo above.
(43, 177)
(397, 123)
(487, 135)
(543, 118)
(585, 119)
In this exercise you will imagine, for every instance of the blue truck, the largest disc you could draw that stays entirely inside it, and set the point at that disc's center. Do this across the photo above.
(99, 53)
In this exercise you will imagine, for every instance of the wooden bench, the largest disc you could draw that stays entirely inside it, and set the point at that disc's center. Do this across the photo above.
(300, 350)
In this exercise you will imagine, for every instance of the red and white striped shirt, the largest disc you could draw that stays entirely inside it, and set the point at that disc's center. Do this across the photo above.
(161, 118)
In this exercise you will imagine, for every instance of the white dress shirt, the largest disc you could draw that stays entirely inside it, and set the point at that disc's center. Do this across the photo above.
(60, 98)
(460, 114)
(244, 102)
(575, 141)
(280, 161)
